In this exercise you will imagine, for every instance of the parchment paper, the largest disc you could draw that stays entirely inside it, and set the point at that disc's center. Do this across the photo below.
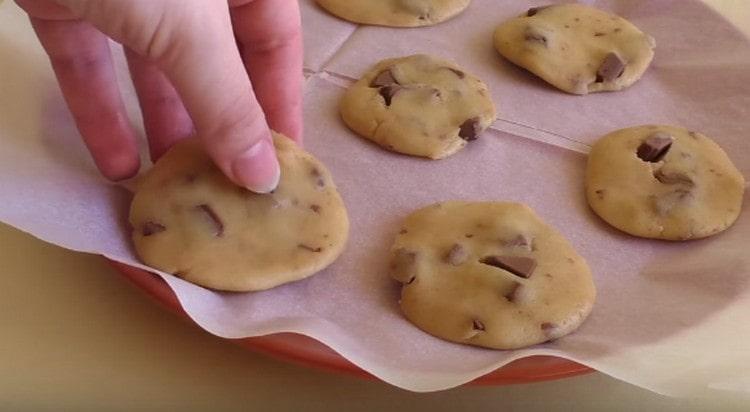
(672, 318)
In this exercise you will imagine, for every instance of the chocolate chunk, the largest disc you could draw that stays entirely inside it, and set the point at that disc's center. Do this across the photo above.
(512, 295)
(673, 178)
(458, 73)
(476, 324)
(310, 248)
(470, 129)
(535, 10)
(384, 78)
(404, 265)
(534, 35)
(550, 330)
(388, 92)
(315, 208)
(213, 218)
(521, 241)
(655, 147)
(150, 228)
(612, 67)
(457, 255)
(518, 265)
(319, 181)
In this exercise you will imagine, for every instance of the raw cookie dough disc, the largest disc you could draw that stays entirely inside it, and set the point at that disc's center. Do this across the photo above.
(188, 219)
(489, 274)
(663, 182)
(418, 105)
(576, 48)
(395, 13)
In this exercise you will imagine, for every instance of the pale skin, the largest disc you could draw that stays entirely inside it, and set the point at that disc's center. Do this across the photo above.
(227, 71)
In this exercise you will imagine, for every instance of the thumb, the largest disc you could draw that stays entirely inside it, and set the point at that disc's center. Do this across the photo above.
(193, 43)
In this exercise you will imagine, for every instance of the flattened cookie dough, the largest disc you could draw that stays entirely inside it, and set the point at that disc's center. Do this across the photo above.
(663, 182)
(188, 219)
(418, 105)
(395, 13)
(576, 48)
(489, 274)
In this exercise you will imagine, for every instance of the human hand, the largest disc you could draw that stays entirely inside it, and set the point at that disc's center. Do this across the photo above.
(188, 73)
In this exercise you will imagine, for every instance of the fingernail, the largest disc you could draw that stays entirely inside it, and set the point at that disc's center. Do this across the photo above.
(258, 168)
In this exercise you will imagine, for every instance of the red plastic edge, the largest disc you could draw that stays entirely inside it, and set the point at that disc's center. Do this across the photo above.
(310, 352)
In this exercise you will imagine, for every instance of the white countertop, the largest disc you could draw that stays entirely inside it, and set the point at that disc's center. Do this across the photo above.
(76, 336)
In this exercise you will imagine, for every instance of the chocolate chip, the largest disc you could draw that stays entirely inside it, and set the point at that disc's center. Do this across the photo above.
(470, 129)
(150, 228)
(458, 73)
(521, 241)
(600, 193)
(535, 10)
(404, 265)
(547, 326)
(315, 208)
(318, 176)
(599, 34)
(549, 329)
(476, 324)
(213, 218)
(655, 147)
(673, 178)
(611, 68)
(388, 92)
(518, 265)
(534, 35)
(436, 93)
(457, 255)
(384, 78)
(310, 248)
(403, 232)
(469, 235)
(512, 295)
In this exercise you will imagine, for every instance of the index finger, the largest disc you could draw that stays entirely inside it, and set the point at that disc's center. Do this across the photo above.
(270, 37)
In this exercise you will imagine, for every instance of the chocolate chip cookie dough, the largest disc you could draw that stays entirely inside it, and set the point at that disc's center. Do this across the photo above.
(489, 274)
(663, 182)
(418, 105)
(576, 48)
(395, 13)
(188, 219)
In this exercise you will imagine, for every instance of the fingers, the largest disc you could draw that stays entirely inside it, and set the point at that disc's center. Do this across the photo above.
(81, 60)
(192, 42)
(269, 32)
(164, 116)
(207, 70)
